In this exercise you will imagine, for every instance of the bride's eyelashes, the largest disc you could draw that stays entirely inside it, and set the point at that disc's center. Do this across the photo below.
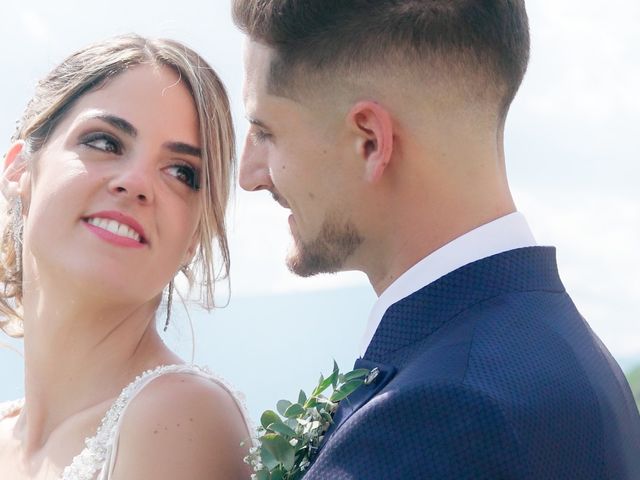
(186, 173)
(102, 141)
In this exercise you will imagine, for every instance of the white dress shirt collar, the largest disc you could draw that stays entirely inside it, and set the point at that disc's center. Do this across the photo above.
(500, 235)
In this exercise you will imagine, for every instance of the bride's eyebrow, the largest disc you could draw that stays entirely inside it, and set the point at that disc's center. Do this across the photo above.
(183, 149)
(127, 128)
(117, 122)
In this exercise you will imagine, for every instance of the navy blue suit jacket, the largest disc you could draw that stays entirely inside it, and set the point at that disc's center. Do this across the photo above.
(488, 373)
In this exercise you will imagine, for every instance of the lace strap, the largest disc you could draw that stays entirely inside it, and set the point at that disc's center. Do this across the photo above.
(100, 452)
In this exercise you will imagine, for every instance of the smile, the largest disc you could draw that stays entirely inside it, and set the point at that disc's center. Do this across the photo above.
(114, 227)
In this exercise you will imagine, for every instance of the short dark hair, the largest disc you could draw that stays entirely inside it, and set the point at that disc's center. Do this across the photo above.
(486, 37)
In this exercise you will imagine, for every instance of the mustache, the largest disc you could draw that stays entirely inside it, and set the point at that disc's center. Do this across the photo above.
(278, 198)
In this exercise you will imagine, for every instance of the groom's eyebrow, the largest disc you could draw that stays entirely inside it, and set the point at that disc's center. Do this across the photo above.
(257, 123)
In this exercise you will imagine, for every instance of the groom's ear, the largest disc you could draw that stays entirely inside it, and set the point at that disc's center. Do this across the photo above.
(373, 128)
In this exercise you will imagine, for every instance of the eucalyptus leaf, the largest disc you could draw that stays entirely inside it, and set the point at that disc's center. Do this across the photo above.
(268, 459)
(282, 406)
(263, 475)
(359, 373)
(345, 390)
(269, 417)
(302, 397)
(294, 410)
(281, 450)
(282, 429)
(326, 383)
(277, 475)
(327, 418)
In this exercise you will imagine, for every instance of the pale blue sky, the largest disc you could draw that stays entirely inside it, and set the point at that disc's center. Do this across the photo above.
(572, 140)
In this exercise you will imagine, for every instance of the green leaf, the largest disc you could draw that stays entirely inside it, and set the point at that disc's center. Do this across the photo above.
(302, 398)
(263, 475)
(277, 475)
(281, 450)
(282, 406)
(268, 460)
(282, 429)
(291, 423)
(269, 417)
(294, 410)
(327, 417)
(326, 383)
(354, 374)
(345, 390)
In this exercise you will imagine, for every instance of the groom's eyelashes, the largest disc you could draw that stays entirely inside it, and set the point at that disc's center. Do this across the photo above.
(259, 136)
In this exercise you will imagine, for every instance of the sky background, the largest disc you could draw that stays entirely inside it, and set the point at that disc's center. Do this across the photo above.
(573, 156)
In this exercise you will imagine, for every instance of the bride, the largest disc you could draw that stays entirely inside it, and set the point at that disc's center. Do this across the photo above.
(117, 181)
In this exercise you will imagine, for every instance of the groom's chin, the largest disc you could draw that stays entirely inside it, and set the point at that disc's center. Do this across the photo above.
(327, 253)
(299, 265)
(307, 263)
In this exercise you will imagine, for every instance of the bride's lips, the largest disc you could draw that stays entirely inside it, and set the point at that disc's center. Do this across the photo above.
(116, 228)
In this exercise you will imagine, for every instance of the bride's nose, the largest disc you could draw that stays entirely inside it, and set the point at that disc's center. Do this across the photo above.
(133, 180)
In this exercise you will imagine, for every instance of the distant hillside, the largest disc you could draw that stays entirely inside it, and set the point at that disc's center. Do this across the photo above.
(634, 381)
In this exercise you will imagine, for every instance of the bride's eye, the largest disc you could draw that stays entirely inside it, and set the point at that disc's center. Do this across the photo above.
(103, 142)
(185, 173)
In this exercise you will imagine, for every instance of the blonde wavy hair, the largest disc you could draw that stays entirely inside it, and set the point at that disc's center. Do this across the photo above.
(93, 67)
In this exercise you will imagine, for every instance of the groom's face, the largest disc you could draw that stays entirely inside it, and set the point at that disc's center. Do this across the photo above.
(296, 151)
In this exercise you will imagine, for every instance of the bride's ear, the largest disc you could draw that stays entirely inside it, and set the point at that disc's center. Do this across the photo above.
(15, 167)
(192, 249)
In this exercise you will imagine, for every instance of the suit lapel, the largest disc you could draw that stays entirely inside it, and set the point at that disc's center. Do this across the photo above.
(380, 376)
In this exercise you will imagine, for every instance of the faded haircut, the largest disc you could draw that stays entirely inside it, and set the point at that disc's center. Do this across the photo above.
(316, 40)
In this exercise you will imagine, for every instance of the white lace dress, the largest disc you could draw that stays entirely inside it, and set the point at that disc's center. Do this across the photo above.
(97, 460)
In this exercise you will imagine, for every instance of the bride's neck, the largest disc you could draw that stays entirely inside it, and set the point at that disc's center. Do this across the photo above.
(79, 353)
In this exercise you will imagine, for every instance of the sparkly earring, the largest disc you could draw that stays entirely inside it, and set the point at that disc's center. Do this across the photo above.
(17, 228)
(169, 302)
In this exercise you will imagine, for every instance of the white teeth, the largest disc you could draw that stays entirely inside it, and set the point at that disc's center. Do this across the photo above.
(114, 227)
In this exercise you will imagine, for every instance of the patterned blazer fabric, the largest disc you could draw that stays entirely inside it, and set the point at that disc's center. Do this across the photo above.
(488, 373)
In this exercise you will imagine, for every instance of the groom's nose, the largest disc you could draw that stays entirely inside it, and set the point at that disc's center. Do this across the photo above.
(254, 169)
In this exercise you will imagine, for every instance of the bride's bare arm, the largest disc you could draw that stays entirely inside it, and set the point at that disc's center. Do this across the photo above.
(182, 426)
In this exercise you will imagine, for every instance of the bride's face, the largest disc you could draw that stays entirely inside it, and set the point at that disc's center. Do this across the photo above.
(114, 202)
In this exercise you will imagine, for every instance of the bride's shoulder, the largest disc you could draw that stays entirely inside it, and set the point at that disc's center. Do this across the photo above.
(183, 419)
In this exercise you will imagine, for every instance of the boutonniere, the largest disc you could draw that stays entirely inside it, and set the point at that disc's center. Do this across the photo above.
(288, 438)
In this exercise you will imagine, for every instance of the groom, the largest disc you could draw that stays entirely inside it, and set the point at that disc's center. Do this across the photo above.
(379, 125)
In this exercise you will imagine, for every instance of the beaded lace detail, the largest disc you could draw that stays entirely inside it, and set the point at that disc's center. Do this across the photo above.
(92, 459)
(9, 408)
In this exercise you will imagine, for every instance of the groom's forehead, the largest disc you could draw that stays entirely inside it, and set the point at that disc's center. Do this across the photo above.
(257, 61)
